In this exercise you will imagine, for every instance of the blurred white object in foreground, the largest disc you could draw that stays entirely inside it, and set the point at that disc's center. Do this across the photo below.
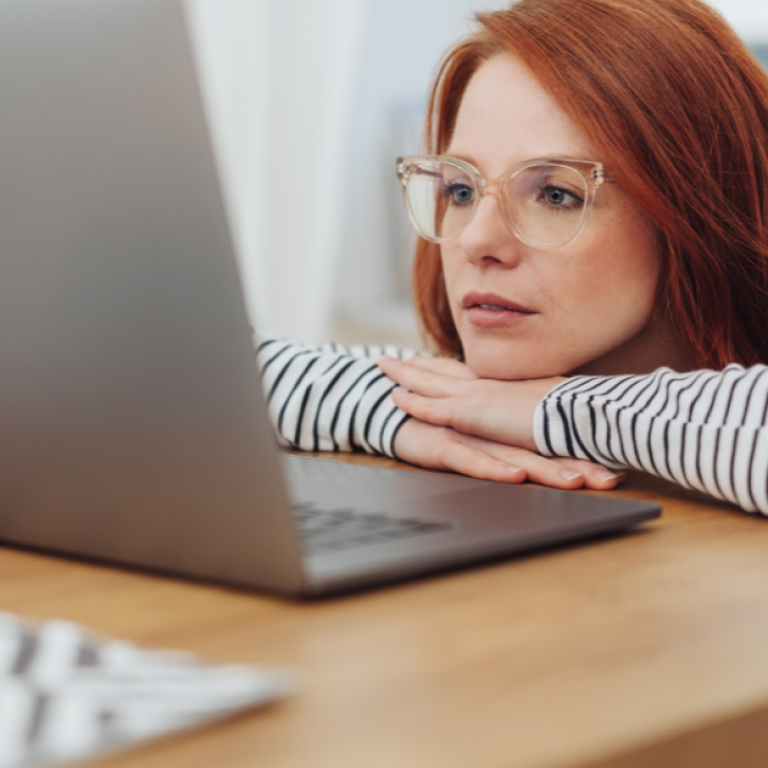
(67, 695)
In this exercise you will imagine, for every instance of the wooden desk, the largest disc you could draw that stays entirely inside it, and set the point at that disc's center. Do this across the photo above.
(647, 650)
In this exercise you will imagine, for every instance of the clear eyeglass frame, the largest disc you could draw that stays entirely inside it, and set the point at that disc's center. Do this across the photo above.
(593, 173)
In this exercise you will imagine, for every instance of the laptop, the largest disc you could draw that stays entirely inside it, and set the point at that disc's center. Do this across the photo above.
(132, 424)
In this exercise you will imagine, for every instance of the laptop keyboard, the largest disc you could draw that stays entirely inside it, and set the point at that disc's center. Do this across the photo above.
(324, 530)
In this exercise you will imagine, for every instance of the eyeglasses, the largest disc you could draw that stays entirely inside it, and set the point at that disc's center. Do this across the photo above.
(546, 202)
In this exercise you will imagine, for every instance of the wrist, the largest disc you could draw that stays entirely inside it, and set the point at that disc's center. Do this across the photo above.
(394, 453)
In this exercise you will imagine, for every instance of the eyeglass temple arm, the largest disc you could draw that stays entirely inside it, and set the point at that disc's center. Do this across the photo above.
(602, 176)
(404, 171)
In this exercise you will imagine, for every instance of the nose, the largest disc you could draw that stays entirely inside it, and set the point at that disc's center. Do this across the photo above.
(488, 239)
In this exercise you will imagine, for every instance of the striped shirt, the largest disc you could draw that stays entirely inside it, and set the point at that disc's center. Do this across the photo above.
(706, 430)
(331, 397)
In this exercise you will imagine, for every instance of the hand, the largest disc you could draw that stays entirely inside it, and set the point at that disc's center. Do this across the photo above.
(444, 448)
(446, 393)
(490, 426)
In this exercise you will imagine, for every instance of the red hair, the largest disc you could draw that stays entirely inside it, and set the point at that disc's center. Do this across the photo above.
(677, 107)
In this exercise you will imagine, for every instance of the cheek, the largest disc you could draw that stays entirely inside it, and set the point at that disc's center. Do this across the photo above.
(622, 283)
(609, 289)
(452, 259)
(630, 266)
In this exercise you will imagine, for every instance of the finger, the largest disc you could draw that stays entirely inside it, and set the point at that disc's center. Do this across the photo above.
(459, 457)
(418, 380)
(437, 411)
(539, 469)
(597, 477)
(443, 365)
(464, 414)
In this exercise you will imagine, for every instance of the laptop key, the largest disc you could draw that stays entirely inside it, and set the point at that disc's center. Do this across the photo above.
(336, 529)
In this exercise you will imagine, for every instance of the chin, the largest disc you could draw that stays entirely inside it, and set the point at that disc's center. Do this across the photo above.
(512, 362)
(507, 367)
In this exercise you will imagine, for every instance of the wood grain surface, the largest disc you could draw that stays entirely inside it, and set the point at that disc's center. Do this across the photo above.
(646, 649)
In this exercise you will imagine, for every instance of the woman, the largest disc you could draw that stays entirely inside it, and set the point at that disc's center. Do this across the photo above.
(592, 205)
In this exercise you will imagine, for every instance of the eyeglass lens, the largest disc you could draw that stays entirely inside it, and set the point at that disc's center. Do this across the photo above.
(545, 202)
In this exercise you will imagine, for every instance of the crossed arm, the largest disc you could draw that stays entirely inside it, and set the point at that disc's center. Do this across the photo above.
(705, 430)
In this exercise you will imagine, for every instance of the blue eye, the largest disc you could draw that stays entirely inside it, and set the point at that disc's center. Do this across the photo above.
(458, 194)
(557, 197)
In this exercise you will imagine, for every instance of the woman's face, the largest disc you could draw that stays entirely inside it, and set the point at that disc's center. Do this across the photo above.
(588, 305)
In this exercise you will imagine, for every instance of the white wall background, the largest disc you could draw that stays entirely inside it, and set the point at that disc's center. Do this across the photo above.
(748, 17)
(310, 103)
(279, 78)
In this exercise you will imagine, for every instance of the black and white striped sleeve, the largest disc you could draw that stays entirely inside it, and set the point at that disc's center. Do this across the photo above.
(330, 398)
(706, 430)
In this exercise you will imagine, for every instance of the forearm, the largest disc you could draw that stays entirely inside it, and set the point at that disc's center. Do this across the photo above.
(705, 430)
(329, 398)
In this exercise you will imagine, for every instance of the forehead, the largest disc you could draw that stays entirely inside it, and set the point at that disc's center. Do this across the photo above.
(506, 117)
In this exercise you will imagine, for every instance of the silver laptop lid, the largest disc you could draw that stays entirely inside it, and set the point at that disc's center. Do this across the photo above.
(130, 413)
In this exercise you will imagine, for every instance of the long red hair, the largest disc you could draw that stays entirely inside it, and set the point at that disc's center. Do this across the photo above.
(677, 108)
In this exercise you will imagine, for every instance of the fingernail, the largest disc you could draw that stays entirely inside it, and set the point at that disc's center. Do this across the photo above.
(513, 470)
(605, 474)
(566, 475)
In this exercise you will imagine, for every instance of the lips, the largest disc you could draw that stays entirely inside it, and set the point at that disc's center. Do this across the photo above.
(489, 310)
(492, 302)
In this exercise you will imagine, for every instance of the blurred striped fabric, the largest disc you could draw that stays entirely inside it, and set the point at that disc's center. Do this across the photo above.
(66, 694)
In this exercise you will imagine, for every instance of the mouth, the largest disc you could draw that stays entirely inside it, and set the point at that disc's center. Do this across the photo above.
(489, 310)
